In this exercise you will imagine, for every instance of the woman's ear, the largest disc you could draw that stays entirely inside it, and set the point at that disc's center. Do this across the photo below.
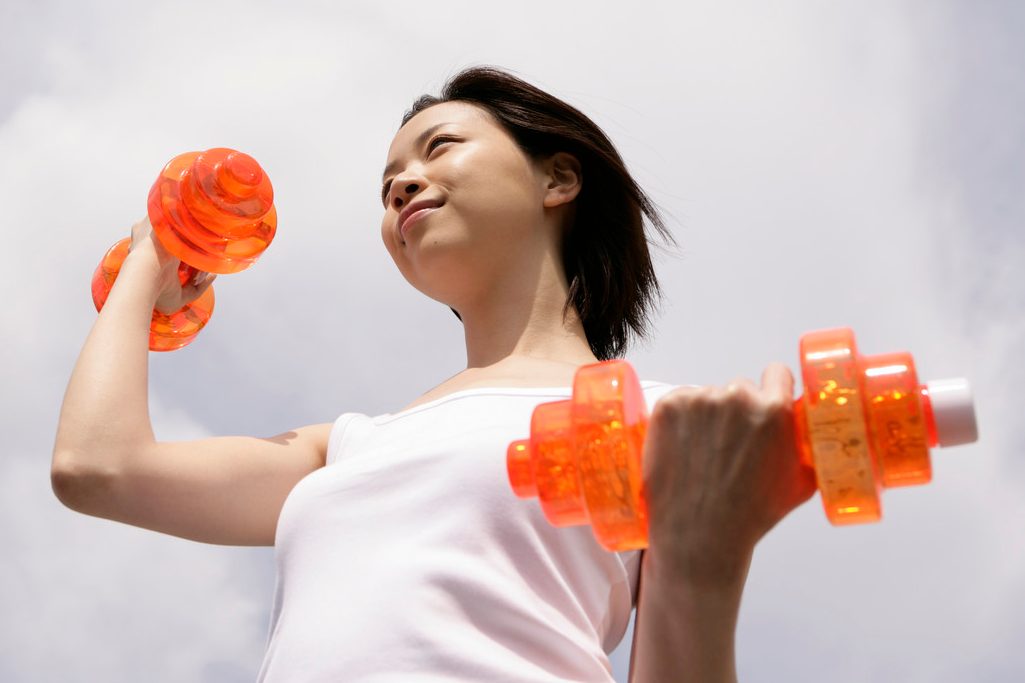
(564, 179)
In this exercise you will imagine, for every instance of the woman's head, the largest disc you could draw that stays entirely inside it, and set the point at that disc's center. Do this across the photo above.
(514, 171)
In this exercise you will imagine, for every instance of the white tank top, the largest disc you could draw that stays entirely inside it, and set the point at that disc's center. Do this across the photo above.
(408, 558)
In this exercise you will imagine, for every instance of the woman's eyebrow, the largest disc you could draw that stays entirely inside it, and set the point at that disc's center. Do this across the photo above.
(419, 141)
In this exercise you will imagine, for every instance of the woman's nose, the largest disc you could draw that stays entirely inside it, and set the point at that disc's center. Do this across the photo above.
(404, 193)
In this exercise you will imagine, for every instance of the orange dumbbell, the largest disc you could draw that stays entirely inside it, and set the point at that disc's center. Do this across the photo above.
(214, 210)
(864, 423)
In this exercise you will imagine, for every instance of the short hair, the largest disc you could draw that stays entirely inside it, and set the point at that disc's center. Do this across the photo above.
(608, 266)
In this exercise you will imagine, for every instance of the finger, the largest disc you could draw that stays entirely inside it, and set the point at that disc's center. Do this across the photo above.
(777, 381)
(142, 224)
(193, 292)
(205, 284)
(741, 385)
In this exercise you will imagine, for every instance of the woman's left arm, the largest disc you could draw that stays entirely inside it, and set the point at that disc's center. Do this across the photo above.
(720, 470)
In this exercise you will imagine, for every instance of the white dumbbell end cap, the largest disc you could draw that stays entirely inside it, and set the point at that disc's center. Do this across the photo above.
(953, 410)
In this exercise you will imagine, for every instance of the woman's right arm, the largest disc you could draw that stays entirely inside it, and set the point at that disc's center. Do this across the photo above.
(106, 462)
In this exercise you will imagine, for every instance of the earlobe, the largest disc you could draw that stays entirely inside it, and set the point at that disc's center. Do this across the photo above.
(564, 179)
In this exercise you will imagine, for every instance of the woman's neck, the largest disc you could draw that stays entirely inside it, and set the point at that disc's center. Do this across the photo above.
(519, 321)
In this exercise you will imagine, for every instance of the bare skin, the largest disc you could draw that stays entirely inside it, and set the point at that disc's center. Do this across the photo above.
(491, 250)
(720, 470)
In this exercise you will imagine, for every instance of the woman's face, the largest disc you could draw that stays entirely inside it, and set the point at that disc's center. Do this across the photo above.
(489, 217)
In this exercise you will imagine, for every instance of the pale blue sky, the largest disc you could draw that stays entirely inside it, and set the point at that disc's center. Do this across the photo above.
(820, 165)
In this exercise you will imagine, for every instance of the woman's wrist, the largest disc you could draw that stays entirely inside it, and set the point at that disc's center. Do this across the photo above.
(144, 272)
(686, 621)
(718, 566)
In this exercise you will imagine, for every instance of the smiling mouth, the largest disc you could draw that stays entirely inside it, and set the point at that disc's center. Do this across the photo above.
(415, 216)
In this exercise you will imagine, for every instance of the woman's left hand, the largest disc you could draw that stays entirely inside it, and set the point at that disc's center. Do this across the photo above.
(721, 468)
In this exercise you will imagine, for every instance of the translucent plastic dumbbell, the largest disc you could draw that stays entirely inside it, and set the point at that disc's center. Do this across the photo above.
(214, 210)
(864, 423)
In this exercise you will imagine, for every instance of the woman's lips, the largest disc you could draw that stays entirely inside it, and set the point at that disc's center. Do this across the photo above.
(415, 216)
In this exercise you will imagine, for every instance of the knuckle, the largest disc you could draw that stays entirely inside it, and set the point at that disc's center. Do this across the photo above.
(772, 408)
(708, 397)
(740, 393)
(675, 402)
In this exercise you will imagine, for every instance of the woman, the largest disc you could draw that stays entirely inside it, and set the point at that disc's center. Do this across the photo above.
(401, 549)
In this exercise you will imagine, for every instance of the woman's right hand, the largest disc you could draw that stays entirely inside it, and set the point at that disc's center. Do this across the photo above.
(171, 294)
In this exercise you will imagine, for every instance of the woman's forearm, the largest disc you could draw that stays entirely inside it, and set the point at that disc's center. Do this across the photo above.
(685, 626)
(105, 413)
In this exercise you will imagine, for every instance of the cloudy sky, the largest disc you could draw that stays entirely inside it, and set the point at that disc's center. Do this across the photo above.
(820, 164)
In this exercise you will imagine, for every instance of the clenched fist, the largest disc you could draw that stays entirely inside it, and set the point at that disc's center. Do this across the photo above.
(721, 468)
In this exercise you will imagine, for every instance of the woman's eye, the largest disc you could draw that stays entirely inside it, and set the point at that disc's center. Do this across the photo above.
(440, 138)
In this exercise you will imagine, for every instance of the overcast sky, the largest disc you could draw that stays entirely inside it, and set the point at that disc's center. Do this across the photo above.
(820, 164)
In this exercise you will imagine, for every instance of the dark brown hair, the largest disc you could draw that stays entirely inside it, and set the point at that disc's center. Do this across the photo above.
(608, 267)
